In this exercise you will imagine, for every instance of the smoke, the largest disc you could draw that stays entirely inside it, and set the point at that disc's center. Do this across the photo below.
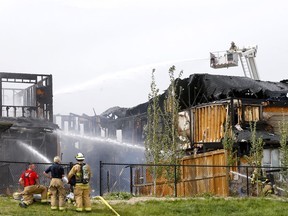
(96, 149)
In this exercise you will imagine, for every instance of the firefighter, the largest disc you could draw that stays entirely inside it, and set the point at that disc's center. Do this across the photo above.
(30, 181)
(233, 46)
(268, 188)
(82, 173)
(56, 187)
(261, 183)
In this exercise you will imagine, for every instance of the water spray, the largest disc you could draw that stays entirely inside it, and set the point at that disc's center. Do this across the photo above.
(34, 151)
(121, 172)
(121, 74)
(99, 139)
(244, 176)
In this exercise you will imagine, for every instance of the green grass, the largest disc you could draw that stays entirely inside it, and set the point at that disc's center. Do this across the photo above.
(189, 206)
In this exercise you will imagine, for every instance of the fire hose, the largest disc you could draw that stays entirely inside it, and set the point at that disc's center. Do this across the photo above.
(242, 175)
(107, 204)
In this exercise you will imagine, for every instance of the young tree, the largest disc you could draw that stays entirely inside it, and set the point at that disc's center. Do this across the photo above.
(255, 158)
(153, 141)
(230, 153)
(257, 144)
(284, 148)
(162, 143)
(228, 142)
(171, 111)
(171, 141)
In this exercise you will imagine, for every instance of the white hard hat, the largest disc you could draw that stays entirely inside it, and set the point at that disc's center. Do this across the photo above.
(80, 157)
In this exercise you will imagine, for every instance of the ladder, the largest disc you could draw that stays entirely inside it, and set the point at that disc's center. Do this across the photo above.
(249, 66)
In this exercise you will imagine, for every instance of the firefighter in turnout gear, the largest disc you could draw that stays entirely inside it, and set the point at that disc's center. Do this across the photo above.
(30, 181)
(56, 187)
(268, 188)
(82, 173)
(261, 184)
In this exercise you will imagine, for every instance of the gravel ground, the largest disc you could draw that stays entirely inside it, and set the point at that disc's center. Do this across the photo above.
(134, 200)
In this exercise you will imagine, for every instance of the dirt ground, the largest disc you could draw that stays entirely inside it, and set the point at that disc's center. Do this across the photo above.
(135, 200)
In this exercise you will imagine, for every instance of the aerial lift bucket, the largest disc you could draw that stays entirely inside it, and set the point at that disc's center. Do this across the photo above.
(223, 59)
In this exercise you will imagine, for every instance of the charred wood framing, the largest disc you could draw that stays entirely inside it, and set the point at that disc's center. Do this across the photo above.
(31, 98)
(27, 131)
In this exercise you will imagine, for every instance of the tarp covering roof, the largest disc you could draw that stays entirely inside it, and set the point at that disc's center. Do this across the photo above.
(205, 88)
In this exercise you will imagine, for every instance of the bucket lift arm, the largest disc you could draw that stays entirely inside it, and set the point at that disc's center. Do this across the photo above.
(230, 58)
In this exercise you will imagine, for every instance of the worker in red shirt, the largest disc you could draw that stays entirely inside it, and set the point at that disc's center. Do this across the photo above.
(30, 181)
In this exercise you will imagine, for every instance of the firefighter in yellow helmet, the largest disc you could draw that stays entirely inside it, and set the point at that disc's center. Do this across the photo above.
(268, 188)
(82, 173)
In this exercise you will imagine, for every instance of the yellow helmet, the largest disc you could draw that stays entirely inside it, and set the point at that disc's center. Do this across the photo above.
(80, 157)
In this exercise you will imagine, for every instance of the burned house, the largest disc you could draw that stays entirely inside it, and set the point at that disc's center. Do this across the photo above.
(215, 99)
(26, 122)
(206, 103)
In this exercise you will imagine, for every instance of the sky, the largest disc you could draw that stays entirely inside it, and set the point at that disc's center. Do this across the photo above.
(101, 52)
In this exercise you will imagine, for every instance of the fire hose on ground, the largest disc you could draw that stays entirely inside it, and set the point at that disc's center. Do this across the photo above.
(107, 204)
(242, 175)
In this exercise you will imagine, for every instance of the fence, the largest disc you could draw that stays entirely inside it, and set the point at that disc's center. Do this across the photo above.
(185, 179)
(10, 173)
(190, 180)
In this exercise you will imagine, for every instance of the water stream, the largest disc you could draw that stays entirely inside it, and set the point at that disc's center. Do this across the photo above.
(245, 176)
(121, 74)
(35, 153)
(96, 149)
(99, 140)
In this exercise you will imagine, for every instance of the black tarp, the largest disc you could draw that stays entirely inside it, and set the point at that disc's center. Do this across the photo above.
(205, 88)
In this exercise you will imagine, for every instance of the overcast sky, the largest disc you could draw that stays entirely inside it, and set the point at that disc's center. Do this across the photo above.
(101, 52)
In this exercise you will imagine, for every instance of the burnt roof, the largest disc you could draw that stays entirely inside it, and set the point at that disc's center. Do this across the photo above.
(114, 112)
(205, 88)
